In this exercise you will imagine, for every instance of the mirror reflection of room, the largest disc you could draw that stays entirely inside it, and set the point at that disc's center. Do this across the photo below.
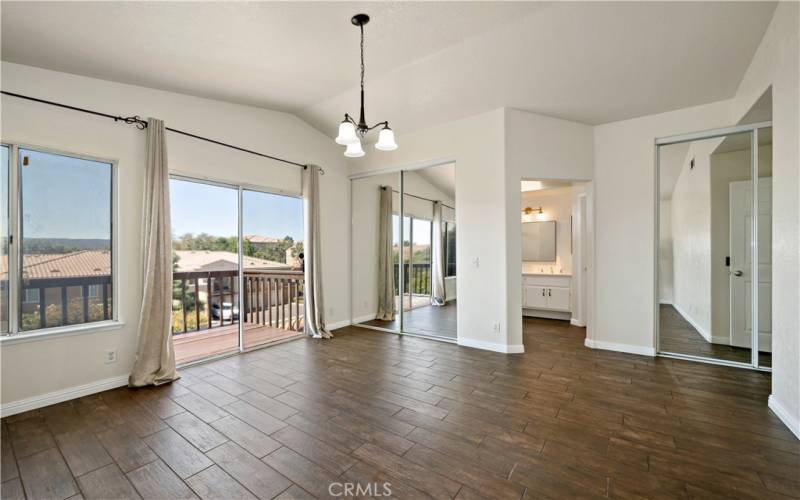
(554, 220)
(404, 267)
(705, 266)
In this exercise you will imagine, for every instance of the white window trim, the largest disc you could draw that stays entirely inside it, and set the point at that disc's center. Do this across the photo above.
(15, 335)
(61, 331)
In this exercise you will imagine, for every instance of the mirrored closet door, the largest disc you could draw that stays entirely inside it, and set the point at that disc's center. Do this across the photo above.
(714, 255)
(404, 252)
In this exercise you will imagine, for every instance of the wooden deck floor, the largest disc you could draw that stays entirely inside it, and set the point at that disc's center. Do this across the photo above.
(431, 419)
(225, 339)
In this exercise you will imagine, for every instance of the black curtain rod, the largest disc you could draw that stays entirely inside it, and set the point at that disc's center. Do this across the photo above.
(420, 198)
(142, 124)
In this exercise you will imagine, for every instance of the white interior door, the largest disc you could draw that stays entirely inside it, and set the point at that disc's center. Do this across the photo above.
(741, 279)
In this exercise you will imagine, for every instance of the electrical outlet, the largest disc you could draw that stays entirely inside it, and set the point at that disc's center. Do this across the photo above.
(110, 356)
(476, 262)
(496, 326)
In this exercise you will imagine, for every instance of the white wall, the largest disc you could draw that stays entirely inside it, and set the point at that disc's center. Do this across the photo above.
(557, 206)
(665, 281)
(777, 64)
(624, 201)
(537, 147)
(582, 250)
(35, 368)
(691, 237)
(487, 189)
(476, 145)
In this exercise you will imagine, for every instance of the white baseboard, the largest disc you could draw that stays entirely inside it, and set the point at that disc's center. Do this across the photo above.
(339, 324)
(362, 319)
(62, 395)
(542, 313)
(718, 339)
(702, 331)
(492, 346)
(612, 346)
(577, 322)
(783, 414)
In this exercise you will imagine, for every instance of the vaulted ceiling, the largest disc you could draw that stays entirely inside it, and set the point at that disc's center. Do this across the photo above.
(426, 62)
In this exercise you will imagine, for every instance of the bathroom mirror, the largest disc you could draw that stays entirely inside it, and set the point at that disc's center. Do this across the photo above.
(539, 241)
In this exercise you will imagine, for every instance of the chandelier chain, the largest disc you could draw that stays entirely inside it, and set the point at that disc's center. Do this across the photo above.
(362, 57)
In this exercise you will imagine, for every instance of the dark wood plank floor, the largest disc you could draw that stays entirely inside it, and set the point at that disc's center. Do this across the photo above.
(433, 321)
(434, 420)
(679, 336)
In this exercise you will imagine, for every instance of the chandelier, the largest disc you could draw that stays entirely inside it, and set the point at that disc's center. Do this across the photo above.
(351, 133)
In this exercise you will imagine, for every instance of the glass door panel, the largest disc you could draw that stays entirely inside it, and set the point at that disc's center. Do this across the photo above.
(705, 251)
(272, 248)
(428, 208)
(205, 286)
(4, 233)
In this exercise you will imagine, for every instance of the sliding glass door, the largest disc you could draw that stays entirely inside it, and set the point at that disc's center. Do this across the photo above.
(714, 246)
(237, 268)
(205, 272)
(272, 265)
(401, 222)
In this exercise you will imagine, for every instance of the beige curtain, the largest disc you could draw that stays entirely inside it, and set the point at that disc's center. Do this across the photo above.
(155, 358)
(314, 305)
(437, 257)
(386, 305)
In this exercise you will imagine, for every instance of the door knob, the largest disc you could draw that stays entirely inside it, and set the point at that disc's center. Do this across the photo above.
(737, 273)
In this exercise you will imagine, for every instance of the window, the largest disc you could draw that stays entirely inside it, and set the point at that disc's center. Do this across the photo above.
(64, 256)
(450, 248)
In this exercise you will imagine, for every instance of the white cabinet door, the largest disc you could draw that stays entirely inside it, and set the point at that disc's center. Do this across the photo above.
(535, 297)
(558, 298)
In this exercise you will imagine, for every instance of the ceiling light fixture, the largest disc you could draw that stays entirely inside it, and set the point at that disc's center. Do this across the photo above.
(351, 133)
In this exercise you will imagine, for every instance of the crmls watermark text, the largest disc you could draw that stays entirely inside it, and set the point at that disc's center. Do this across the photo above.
(360, 490)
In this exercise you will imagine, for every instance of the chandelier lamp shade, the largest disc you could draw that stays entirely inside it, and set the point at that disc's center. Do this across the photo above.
(351, 133)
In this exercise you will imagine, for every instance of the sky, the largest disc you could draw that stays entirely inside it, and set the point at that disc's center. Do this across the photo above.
(65, 197)
(422, 230)
(204, 208)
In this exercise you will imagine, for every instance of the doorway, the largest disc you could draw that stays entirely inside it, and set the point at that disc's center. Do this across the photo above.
(237, 268)
(556, 252)
(714, 272)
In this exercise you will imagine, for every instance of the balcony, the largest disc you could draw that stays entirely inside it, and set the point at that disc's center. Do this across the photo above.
(206, 316)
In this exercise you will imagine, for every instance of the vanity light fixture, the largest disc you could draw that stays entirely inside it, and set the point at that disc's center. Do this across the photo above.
(351, 133)
(529, 210)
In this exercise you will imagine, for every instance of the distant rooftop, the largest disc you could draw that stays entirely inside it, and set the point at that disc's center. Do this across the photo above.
(79, 264)
(219, 260)
(255, 238)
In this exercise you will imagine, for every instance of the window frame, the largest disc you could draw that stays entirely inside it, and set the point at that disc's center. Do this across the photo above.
(15, 334)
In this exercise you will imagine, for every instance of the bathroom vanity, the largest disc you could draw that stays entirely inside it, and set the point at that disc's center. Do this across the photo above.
(546, 295)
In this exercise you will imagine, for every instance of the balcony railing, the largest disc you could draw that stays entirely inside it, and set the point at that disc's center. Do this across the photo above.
(208, 300)
(73, 303)
(417, 278)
